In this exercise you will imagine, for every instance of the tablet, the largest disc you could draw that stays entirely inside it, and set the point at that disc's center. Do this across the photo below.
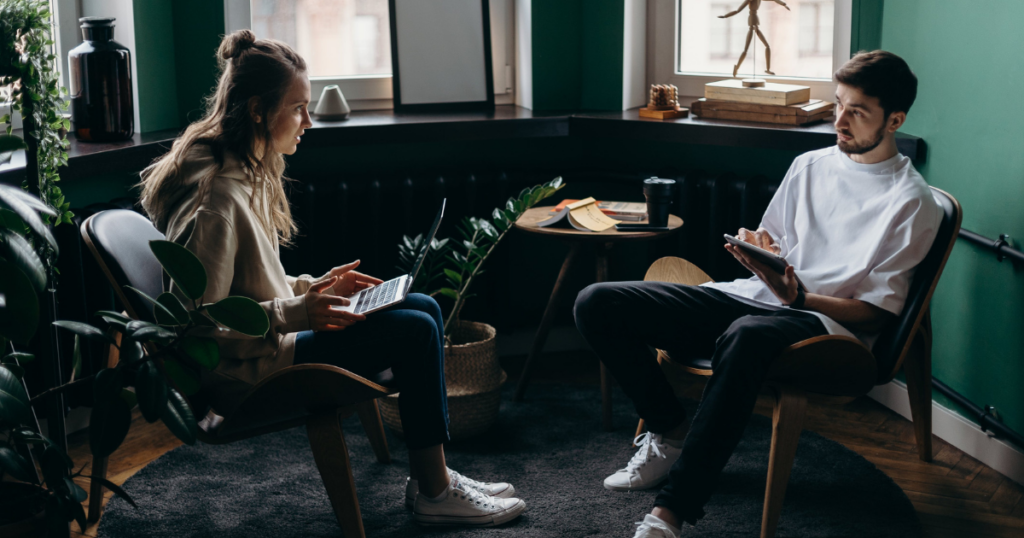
(774, 261)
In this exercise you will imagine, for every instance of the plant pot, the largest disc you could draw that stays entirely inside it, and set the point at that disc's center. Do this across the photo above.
(473, 378)
(22, 511)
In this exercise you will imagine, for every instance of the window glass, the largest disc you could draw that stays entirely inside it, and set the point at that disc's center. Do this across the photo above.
(800, 39)
(336, 37)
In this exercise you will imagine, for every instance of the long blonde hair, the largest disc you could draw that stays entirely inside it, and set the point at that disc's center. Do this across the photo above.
(250, 68)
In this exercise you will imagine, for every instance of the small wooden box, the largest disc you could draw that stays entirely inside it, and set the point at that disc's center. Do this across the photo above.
(664, 114)
(796, 114)
(769, 94)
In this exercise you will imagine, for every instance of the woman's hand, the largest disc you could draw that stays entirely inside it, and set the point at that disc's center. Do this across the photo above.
(318, 308)
(349, 281)
(760, 238)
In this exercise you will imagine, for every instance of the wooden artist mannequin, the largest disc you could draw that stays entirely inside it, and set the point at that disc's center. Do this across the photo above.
(754, 22)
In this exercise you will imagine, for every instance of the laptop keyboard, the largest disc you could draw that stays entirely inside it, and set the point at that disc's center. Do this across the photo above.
(377, 295)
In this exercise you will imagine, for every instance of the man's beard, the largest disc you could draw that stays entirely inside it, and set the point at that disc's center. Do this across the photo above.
(852, 148)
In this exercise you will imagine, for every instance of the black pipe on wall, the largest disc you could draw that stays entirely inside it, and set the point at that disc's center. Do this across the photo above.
(1000, 246)
(984, 416)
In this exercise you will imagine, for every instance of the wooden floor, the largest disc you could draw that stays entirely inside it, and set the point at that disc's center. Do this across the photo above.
(955, 495)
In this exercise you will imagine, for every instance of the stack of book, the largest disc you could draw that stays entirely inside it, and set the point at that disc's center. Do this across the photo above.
(786, 104)
(626, 211)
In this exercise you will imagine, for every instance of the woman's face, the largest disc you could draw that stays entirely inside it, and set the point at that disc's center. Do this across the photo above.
(291, 119)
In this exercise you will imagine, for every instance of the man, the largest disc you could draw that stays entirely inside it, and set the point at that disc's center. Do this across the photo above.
(852, 220)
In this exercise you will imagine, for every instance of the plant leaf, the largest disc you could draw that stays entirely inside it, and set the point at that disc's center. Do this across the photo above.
(16, 465)
(182, 266)
(203, 350)
(18, 320)
(240, 314)
(131, 351)
(150, 391)
(14, 402)
(14, 198)
(173, 305)
(108, 426)
(455, 277)
(184, 378)
(83, 329)
(201, 319)
(156, 305)
(76, 358)
(77, 493)
(117, 490)
(450, 293)
(107, 385)
(11, 143)
(143, 331)
(19, 251)
(22, 358)
(179, 419)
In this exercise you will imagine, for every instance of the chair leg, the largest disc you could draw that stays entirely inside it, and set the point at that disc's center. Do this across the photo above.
(331, 456)
(918, 369)
(369, 416)
(641, 427)
(99, 470)
(787, 423)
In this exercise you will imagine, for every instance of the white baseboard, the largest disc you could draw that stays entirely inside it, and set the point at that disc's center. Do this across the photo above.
(957, 431)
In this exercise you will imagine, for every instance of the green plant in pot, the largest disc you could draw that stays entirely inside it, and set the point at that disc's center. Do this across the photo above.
(159, 365)
(472, 372)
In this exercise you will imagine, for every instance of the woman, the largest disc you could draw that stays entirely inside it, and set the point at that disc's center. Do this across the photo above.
(220, 193)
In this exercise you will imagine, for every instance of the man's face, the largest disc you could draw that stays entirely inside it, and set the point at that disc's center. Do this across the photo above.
(861, 123)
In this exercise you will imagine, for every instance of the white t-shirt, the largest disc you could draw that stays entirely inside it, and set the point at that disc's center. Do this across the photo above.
(850, 230)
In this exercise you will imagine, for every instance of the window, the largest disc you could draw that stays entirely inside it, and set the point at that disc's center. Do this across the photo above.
(348, 42)
(692, 45)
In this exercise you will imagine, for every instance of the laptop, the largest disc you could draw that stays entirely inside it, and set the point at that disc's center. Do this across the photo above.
(395, 290)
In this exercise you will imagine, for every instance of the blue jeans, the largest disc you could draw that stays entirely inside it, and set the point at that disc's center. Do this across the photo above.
(409, 339)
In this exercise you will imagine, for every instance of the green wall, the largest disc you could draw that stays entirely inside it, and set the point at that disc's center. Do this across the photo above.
(967, 59)
(577, 54)
(154, 54)
(198, 28)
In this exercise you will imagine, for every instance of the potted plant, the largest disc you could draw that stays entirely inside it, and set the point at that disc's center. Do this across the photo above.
(158, 367)
(472, 372)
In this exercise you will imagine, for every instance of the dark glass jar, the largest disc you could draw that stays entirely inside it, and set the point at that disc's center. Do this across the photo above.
(102, 108)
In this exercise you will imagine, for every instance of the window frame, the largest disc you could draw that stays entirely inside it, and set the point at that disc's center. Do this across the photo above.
(663, 25)
(374, 92)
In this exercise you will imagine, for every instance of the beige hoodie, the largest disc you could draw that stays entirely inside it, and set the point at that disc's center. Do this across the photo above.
(240, 259)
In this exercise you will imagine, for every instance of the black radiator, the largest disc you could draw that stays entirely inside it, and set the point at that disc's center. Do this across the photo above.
(357, 217)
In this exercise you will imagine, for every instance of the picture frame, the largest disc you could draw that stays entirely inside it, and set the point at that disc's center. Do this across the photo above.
(441, 55)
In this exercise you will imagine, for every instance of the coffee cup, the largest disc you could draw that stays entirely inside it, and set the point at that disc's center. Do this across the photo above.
(659, 193)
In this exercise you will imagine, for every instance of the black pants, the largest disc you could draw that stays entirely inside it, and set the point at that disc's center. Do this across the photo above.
(621, 319)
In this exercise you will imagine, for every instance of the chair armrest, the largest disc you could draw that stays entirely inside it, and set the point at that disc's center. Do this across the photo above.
(676, 271)
(293, 393)
(830, 364)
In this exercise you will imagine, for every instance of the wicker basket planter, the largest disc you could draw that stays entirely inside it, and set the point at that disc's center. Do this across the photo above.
(474, 378)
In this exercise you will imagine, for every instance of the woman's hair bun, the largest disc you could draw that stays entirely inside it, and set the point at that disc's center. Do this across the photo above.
(235, 43)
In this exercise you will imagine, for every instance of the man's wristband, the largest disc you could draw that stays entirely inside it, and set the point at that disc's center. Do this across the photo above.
(798, 303)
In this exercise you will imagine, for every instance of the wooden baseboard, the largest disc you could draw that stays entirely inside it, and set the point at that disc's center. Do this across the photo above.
(958, 431)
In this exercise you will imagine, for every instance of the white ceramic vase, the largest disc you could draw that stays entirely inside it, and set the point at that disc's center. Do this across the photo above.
(332, 105)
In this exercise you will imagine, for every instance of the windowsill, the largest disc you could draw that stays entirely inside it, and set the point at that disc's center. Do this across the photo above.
(505, 122)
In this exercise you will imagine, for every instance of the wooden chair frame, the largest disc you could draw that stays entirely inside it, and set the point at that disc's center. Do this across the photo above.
(317, 395)
(851, 371)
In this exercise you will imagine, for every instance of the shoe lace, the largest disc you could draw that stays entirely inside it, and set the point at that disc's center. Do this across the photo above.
(469, 482)
(474, 496)
(648, 447)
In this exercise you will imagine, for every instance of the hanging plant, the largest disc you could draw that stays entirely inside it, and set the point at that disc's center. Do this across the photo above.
(30, 77)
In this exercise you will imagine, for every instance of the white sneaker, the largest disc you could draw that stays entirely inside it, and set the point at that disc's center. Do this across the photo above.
(653, 527)
(502, 490)
(649, 466)
(466, 506)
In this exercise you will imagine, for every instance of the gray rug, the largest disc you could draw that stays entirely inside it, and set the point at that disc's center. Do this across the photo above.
(550, 447)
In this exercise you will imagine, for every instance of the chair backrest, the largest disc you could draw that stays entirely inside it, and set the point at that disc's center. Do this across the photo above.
(119, 241)
(894, 343)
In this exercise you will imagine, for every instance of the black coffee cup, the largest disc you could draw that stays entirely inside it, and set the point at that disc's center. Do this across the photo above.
(659, 193)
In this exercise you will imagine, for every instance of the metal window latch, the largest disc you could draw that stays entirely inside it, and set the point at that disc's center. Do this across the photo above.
(1003, 241)
(990, 411)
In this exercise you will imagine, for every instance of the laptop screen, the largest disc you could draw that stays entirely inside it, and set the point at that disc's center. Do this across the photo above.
(430, 239)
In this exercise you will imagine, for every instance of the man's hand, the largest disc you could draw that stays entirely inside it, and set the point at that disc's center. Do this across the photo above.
(318, 308)
(349, 281)
(783, 286)
(760, 239)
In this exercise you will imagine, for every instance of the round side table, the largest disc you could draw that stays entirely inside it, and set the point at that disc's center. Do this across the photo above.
(577, 240)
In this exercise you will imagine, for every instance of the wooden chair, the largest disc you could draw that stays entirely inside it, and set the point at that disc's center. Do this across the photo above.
(317, 395)
(839, 365)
